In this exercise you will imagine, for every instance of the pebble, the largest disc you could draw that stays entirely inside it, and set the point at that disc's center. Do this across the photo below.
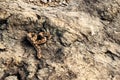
(11, 78)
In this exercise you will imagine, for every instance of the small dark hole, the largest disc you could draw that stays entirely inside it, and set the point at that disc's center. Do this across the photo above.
(110, 54)
(39, 37)
(32, 35)
(38, 16)
(26, 42)
(33, 8)
(3, 21)
(18, 76)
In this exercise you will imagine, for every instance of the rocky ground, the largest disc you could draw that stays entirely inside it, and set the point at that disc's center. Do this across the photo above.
(84, 43)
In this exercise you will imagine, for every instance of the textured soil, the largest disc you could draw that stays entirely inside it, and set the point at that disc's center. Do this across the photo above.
(84, 43)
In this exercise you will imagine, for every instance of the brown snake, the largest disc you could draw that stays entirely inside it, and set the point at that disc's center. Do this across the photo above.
(37, 39)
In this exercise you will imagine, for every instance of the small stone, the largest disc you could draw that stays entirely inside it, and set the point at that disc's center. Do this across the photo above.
(4, 15)
(68, 38)
(2, 46)
(43, 73)
(44, 1)
(11, 78)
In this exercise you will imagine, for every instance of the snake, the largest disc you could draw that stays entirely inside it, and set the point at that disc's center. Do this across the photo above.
(38, 39)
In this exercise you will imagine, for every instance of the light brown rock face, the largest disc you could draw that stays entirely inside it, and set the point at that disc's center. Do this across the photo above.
(84, 43)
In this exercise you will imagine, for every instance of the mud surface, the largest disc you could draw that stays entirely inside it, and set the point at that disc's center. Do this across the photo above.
(84, 42)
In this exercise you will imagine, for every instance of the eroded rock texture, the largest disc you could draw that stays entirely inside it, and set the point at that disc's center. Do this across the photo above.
(84, 43)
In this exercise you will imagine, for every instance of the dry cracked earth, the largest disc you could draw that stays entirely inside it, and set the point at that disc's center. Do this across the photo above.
(84, 41)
